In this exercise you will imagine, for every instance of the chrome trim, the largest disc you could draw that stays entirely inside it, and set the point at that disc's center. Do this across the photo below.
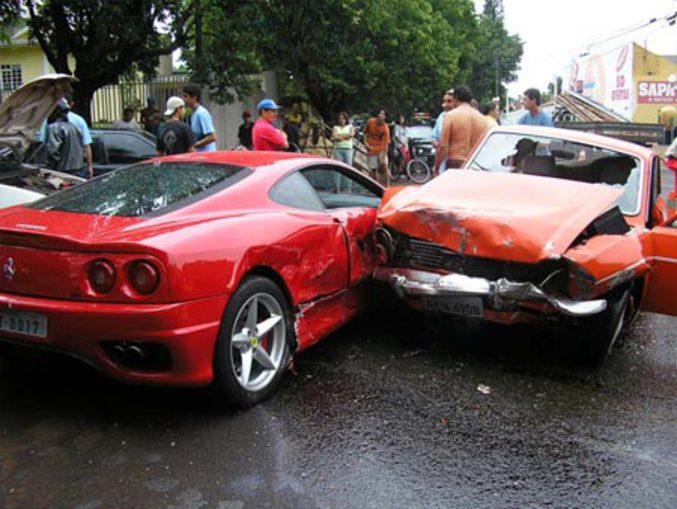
(408, 283)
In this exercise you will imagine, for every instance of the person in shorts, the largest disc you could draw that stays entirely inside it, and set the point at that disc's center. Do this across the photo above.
(377, 140)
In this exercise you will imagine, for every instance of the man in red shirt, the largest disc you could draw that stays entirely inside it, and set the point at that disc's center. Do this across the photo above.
(265, 136)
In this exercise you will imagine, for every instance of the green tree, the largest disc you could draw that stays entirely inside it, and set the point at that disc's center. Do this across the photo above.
(359, 54)
(222, 47)
(99, 40)
(496, 55)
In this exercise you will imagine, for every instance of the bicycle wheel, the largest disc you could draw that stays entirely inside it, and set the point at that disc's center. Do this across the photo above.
(418, 171)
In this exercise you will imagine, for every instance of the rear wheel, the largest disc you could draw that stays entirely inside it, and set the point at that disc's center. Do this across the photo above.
(599, 333)
(418, 171)
(252, 350)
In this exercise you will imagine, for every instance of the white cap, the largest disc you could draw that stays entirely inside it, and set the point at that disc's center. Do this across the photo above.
(172, 104)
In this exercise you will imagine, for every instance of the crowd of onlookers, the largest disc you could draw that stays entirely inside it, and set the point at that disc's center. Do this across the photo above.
(456, 130)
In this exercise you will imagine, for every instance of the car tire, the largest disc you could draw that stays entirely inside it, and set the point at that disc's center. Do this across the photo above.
(252, 349)
(599, 333)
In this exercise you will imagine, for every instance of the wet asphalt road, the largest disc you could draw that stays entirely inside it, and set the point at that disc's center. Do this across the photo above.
(385, 413)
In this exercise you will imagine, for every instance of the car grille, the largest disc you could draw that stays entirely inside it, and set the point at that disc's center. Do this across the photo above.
(420, 254)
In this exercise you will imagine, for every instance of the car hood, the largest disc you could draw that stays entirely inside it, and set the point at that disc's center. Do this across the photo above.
(23, 112)
(519, 218)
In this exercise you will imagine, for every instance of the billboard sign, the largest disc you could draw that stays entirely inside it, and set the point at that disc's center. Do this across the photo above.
(657, 92)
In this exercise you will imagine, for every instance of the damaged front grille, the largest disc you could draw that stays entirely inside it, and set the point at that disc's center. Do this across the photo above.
(415, 253)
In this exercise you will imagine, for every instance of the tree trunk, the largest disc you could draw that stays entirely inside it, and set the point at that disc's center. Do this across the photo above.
(82, 101)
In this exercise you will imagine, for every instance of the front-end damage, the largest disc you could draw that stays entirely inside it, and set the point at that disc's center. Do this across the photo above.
(501, 295)
(433, 277)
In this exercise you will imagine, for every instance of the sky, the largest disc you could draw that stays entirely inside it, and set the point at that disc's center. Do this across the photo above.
(554, 31)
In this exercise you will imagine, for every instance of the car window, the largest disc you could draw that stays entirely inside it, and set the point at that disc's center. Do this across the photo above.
(564, 159)
(127, 148)
(294, 191)
(338, 189)
(143, 189)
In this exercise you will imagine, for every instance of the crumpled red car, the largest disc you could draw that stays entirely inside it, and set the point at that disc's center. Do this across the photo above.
(540, 223)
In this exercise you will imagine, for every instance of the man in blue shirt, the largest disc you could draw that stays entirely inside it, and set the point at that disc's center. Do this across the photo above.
(85, 136)
(534, 116)
(200, 119)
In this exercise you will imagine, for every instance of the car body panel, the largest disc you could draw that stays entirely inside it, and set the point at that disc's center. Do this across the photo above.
(203, 250)
(661, 290)
(504, 216)
(22, 113)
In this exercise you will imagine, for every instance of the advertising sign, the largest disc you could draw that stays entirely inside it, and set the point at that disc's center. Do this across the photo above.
(606, 78)
(657, 92)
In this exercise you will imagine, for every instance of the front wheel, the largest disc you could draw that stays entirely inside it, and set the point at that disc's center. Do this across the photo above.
(252, 349)
(599, 333)
(418, 171)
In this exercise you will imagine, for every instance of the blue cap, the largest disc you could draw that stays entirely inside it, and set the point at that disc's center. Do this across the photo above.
(268, 104)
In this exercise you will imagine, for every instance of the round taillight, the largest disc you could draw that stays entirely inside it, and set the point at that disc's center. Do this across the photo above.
(102, 276)
(144, 277)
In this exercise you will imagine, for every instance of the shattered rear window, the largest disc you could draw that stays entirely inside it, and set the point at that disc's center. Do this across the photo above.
(564, 159)
(145, 189)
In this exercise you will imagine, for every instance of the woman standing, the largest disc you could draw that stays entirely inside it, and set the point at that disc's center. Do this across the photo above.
(491, 112)
(342, 136)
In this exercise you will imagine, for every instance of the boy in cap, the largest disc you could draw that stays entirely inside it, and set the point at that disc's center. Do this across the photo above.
(265, 135)
(175, 137)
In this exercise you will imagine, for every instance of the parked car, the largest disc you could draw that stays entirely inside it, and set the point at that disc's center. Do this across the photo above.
(21, 114)
(540, 223)
(192, 270)
(111, 149)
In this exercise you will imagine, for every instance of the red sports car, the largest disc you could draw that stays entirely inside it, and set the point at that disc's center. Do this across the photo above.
(195, 269)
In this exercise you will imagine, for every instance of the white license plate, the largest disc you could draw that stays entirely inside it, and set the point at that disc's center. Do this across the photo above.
(30, 324)
(461, 306)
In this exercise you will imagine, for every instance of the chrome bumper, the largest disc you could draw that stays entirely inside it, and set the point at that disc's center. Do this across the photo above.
(408, 283)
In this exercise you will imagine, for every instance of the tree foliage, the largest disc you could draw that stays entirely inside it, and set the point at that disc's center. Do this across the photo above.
(358, 54)
(97, 41)
(497, 54)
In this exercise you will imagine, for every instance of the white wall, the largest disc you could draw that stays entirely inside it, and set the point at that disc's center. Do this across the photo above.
(228, 117)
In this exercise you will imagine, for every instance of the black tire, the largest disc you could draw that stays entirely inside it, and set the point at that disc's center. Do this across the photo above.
(239, 345)
(418, 171)
(598, 334)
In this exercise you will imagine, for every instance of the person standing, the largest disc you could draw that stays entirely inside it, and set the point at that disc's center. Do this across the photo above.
(64, 143)
(147, 115)
(200, 119)
(491, 113)
(342, 137)
(401, 143)
(531, 100)
(127, 121)
(244, 133)
(448, 104)
(265, 136)
(377, 140)
(175, 137)
(85, 136)
(462, 129)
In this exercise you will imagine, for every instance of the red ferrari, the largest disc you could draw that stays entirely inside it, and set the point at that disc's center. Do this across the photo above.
(193, 270)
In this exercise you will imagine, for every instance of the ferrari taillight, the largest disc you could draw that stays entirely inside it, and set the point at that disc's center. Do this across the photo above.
(144, 277)
(102, 276)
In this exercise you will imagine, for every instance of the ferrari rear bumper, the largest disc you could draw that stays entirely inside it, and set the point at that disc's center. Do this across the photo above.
(186, 330)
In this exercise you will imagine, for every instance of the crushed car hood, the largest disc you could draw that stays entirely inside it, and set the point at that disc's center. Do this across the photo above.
(501, 216)
(23, 112)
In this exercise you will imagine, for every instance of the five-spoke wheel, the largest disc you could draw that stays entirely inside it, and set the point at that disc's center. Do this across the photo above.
(253, 346)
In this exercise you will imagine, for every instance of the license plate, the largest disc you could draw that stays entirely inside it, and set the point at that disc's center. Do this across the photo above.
(18, 322)
(461, 306)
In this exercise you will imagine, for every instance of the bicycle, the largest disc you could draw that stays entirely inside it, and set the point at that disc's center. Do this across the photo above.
(416, 169)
